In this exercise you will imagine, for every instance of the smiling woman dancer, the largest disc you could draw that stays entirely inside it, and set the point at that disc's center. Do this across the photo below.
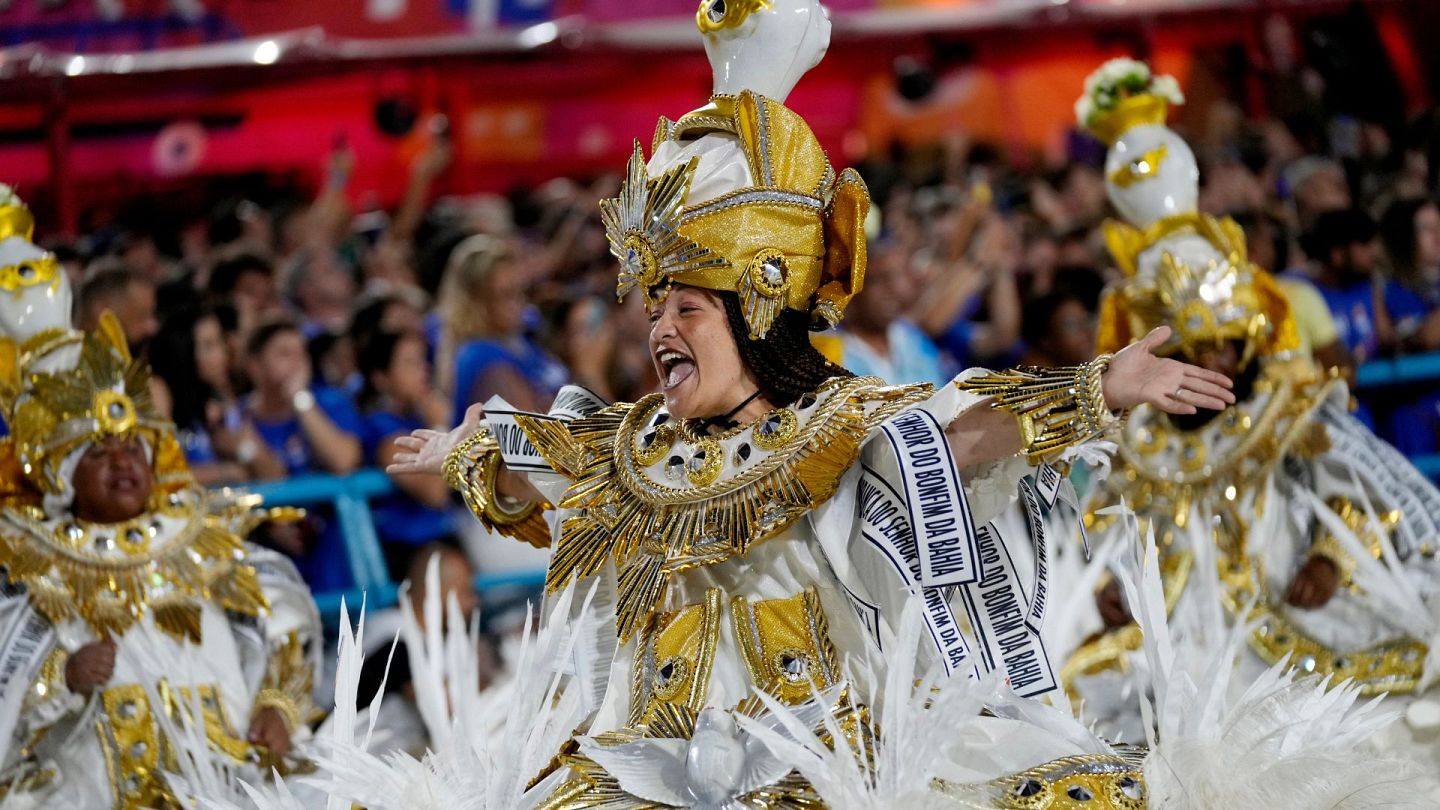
(767, 512)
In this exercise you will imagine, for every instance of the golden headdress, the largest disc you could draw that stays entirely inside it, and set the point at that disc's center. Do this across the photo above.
(54, 413)
(794, 238)
(1204, 296)
(61, 389)
(1183, 269)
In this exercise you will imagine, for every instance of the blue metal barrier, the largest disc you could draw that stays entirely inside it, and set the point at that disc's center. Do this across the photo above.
(350, 496)
(1408, 370)
(1399, 371)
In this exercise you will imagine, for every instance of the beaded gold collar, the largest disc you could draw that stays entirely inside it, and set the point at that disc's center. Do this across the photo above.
(658, 501)
(185, 550)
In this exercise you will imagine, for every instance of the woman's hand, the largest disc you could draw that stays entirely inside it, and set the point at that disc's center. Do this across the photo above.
(425, 451)
(1136, 376)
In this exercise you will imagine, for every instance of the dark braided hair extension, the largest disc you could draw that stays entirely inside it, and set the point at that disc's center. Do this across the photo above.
(785, 363)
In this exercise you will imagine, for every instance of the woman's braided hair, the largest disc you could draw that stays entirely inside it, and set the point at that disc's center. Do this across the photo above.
(785, 363)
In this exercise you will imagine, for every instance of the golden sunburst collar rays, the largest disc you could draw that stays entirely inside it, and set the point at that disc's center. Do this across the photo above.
(656, 525)
(642, 228)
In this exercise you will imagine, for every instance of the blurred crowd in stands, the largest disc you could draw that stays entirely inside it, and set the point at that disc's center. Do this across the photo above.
(298, 336)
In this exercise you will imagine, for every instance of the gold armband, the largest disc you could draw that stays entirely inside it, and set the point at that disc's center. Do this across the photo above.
(284, 704)
(287, 684)
(1055, 407)
(471, 469)
(1328, 547)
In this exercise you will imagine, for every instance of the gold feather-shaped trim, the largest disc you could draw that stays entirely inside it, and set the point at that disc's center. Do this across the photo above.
(653, 531)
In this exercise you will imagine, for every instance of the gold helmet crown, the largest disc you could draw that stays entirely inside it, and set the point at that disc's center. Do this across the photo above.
(794, 238)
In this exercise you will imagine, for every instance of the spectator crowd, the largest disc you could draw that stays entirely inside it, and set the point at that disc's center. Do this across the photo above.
(295, 336)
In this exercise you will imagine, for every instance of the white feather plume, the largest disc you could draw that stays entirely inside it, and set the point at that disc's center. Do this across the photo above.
(486, 747)
(1283, 741)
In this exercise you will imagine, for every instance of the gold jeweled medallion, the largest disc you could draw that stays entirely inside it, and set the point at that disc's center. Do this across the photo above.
(705, 463)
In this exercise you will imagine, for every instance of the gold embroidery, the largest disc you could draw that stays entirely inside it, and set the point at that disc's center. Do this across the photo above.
(776, 429)
(1081, 782)
(132, 749)
(1391, 666)
(786, 645)
(676, 664)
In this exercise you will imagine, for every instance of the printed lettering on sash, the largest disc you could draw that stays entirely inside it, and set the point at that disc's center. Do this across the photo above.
(885, 524)
(1035, 618)
(27, 640)
(996, 605)
(576, 401)
(1047, 484)
(934, 499)
(517, 451)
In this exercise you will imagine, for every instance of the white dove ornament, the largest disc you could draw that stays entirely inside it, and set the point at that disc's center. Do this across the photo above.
(716, 769)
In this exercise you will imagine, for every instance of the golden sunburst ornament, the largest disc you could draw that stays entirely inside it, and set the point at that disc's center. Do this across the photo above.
(642, 224)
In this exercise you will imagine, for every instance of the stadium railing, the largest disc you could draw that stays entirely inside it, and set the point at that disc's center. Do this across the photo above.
(350, 497)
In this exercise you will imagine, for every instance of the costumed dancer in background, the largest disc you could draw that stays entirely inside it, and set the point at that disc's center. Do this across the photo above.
(768, 513)
(1281, 510)
(127, 591)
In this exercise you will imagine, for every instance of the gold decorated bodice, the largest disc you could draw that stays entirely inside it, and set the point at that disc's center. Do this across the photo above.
(657, 499)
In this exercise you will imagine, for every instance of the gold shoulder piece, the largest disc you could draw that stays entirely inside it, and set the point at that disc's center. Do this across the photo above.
(1125, 242)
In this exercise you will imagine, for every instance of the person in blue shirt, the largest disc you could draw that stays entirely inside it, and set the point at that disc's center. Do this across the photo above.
(311, 429)
(1372, 313)
(397, 398)
(484, 350)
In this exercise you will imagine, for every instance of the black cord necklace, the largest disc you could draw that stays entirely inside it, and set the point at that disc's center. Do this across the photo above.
(727, 421)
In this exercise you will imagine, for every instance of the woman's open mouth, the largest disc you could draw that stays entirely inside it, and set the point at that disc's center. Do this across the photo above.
(675, 368)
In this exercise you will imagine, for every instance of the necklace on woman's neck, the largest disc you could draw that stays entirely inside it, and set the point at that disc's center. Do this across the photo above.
(726, 421)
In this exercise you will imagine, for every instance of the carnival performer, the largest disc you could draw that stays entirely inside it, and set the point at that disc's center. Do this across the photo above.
(1281, 510)
(767, 512)
(128, 592)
